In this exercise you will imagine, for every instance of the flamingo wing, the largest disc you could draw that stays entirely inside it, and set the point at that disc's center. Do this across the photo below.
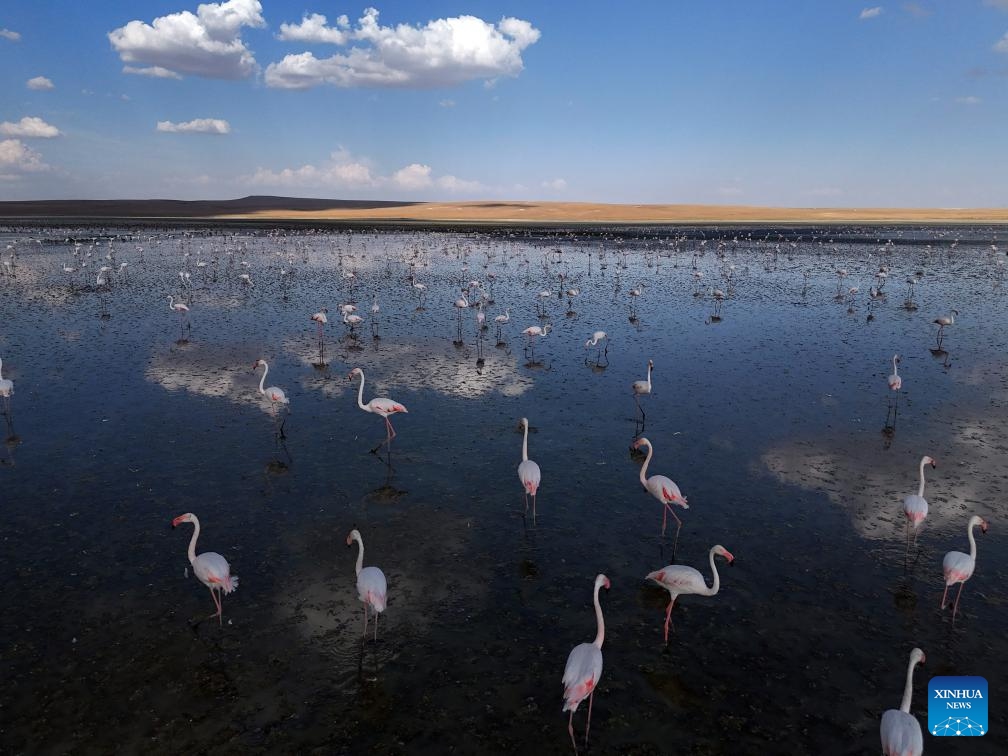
(679, 578)
(901, 734)
(372, 588)
(530, 475)
(581, 675)
(213, 571)
(383, 406)
(915, 508)
(957, 567)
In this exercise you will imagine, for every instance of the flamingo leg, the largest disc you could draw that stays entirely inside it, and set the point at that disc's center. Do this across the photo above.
(944, 595)
(668, 618)
(570, 729)
(365, 621)
(533, 509)
(955, 607)
(591, 698)
(376, 626)
(908, 535)
(217, 604)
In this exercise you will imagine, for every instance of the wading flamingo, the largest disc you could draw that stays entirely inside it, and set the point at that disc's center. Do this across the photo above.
(531, 332)
(209, 567)
(500, 320)
(584, 668)
(274, 394)
(378, 406)
(915, 506)
(941, 322)
(900, 730)
(321, 318)
(372, 588)
(642, 388)
(594, 342)
(6, 390)
(958, 567)
(662, 489)
(181, 310)
(679, 579)
(895, 382)
(528, 472)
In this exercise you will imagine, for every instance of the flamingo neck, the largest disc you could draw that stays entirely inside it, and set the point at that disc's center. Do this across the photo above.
(643, 470)
(717, 578)
(263, 379)
(525, 445)
(972, 543)
(1, 369)
(192, 541)
(600, 635)
(920, 489)
(908, 688)
(649, 376)
(894, 370)
(171, 302)
(360, 554)
(360, 394)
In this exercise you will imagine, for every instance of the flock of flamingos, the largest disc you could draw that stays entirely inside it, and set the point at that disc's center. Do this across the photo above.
(900, 731)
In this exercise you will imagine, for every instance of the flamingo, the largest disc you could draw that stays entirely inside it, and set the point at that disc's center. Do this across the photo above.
(958, 567)
(584, 668)
(900, 730)
(895, 382)
(375, 309)
(352, 321)
(181, 309)
(642, 388)
(500, 320)
(378, 406)
(662, 489)
(210, 568)
(274, 394)
(532, 332)
(942, 321)
(678, 579)
(915, 506)
(372, 587)
(321, 320)
(6, 390)
(528, 472)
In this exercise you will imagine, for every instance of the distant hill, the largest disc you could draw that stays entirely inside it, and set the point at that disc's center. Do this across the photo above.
(165, 208)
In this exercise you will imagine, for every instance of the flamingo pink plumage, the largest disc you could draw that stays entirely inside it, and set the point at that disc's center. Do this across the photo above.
(379, 405)
(915, 506)
(209, 567)
(661, 488)
(958, 567)
(895, 382)
(679, 579)
(372, 588)
(528, 472)
(900, 731)
(584, 668)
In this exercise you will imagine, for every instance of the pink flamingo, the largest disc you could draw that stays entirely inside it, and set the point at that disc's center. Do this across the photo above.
(181, 310)
(895, 382)
(372, 587)
(321, 319)
(900, 730)
(378, 406)
(531, 332)
(958, 567)
(642, 388)
(584, 668)
(209, 567)
(528, 472)
(273, 393)
(6, 390)
(678, 579)
(661, 488)
(915, 506)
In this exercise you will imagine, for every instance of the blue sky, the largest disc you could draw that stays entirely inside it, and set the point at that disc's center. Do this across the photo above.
(777, 103)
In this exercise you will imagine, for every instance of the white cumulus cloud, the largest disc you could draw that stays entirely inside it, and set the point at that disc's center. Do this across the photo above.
(17, 157)
(444, 52)
(314, 28)
(557, 184)
(1002, 44)
(342, 171)
(871, 12)
(413, 177)
(156, 72)
(196, 126)
(40, 83)
(29, 127)
(207, 43)
(455, 185)
(13, 36)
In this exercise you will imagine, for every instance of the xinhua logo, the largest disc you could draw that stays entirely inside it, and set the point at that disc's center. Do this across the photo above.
(957, 706)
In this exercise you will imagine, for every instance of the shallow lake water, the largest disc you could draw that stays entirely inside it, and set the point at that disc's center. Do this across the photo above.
(769, 409)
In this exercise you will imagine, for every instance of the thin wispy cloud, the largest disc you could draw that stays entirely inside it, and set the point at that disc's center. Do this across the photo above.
(447, 103)
(968, 100)
(29, 127)
(556, 185)
(1001, 45)
(196, 126)
(16, 158)
(13, 36)
(442, 53)
(207, 43)
(40, 83)
(871, 12)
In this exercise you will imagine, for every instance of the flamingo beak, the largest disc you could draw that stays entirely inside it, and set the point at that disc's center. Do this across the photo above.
(934, 464)
(983, 526)
(177, 520)
(607, 584)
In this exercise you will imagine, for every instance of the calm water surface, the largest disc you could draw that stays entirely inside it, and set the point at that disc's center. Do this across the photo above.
(770, 420)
